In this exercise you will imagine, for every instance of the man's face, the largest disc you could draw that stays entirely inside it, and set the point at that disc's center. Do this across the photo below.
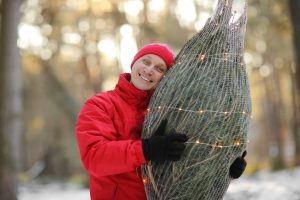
(147, 71)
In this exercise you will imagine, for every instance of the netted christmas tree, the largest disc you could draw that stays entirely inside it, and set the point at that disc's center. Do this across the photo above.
(206, 96)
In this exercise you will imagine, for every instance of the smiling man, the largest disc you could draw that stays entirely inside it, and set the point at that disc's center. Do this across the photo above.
(109, 127)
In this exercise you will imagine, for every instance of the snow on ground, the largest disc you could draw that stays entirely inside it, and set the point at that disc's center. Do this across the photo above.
(53, 191)
(282, 185)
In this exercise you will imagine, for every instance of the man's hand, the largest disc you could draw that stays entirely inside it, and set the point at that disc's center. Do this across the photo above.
(162, 147)
(238, 166)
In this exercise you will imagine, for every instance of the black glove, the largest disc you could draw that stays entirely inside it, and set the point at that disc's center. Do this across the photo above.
(162, 147)
(238, 166)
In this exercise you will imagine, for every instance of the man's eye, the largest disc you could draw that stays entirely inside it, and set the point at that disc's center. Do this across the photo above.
(146, 62)
(159, 69)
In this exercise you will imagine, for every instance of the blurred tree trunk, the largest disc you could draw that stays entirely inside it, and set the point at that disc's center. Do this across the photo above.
(60, 95)
(278, 117)
(295, 18)
(11, 101)
(275, 124)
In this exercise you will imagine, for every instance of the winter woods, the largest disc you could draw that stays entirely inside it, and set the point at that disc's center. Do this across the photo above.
(71, 50)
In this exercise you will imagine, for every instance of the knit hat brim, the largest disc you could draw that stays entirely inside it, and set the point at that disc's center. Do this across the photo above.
(161, 50)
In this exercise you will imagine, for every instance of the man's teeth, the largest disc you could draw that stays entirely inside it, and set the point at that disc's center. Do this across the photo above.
(145, 79)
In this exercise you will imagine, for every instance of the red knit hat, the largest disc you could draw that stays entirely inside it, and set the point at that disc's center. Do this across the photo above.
(161, 50)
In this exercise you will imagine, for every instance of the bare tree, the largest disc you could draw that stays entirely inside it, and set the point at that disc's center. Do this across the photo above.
(10, 100)
(276, 121)
(294, 6)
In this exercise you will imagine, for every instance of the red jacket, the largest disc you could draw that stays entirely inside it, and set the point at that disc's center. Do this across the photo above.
(108, 133)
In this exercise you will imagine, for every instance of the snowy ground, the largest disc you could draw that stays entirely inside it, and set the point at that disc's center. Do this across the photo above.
(283, 185)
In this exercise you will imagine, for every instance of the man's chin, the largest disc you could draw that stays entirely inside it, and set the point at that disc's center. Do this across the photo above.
(145, 88)
(142, 87)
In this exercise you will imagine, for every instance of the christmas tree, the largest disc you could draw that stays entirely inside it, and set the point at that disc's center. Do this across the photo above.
(206, 96)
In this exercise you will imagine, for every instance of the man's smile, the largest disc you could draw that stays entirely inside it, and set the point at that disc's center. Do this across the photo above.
(145, 78)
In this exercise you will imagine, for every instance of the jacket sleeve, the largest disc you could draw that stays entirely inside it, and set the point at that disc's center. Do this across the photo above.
(100, 152)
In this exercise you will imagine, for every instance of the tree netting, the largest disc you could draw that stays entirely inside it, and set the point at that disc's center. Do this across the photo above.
(206, 96)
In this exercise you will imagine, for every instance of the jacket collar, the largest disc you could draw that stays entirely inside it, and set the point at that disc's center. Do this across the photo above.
(130, 93)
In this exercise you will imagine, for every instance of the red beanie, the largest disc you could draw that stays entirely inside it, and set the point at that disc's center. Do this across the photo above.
(161, 50)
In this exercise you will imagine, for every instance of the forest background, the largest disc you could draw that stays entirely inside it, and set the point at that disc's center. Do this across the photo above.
(56, 54)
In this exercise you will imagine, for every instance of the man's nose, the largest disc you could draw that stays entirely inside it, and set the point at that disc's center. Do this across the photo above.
(149, 70)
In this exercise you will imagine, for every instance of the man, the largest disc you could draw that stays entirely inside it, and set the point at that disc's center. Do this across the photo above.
(109, 128)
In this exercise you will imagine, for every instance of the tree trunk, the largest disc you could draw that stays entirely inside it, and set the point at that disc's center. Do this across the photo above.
(277, 119)
(295, 17)
(60, 95)
(10, 100)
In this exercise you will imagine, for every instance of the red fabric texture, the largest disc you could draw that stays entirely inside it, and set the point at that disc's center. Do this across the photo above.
(161, 50)
(108, 132)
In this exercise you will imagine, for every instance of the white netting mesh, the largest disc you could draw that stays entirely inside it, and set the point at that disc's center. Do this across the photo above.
(206, 96)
